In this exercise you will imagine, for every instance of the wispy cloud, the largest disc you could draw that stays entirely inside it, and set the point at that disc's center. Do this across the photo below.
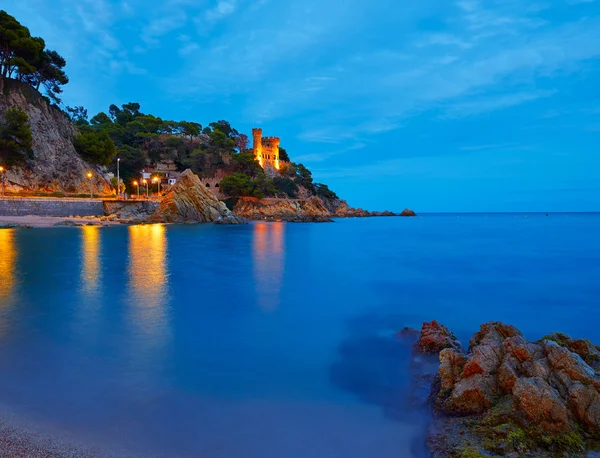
(222, 9)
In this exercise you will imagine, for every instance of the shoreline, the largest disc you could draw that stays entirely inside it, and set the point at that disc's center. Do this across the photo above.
(23, 437)
(34, 221)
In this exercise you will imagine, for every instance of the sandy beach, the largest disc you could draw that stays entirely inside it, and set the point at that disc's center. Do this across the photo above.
(22, 438)
(51, 221)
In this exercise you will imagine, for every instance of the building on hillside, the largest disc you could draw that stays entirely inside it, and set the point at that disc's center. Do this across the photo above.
(266, 149)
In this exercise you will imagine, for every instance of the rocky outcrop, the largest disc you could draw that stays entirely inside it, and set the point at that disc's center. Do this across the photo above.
(56, 166)
(293, 210)
(434, 338)
(511, 397)
(307, 209)
(408, 212)
(188, 201)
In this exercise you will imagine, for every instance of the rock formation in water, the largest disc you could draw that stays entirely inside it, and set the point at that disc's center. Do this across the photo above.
(508, 396)
(188, 201)
(309, 209)
(408, 212)
(435, 337)
(294, 210)
(56, 166)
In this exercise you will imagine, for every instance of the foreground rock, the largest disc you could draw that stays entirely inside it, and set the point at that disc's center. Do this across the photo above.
(511, 397)
(188, 201)
(435, 337)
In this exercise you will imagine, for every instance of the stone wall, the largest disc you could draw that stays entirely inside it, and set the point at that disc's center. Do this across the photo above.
(51, 207)
(130, 208)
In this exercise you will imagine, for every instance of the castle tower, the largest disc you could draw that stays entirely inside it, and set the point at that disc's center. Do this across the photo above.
(257, 145)
(276, 143)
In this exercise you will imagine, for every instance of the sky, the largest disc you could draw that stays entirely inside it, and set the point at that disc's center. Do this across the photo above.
(438, 105)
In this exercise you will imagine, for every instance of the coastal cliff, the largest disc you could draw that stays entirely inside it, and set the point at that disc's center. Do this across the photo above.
(54, 166)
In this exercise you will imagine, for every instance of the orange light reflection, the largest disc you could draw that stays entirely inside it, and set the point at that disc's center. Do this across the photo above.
(90, 274)
(269, 256)
(8, 257)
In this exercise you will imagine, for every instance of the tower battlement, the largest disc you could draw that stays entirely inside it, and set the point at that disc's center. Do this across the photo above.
(266, 149)
(271, 141)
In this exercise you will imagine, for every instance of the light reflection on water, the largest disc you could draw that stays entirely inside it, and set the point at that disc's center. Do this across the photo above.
(8, 259)
(91, 274)
(269, 257)
(7, 264)
(148, 303)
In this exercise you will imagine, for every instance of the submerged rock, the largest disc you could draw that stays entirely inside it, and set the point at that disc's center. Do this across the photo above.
(511, 397)
(188, 201)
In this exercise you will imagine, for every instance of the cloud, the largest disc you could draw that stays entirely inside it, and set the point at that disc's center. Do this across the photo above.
(175, 19)
(220, 10)
(480, 105)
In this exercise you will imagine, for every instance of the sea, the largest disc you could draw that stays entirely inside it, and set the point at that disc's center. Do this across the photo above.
(271, 340)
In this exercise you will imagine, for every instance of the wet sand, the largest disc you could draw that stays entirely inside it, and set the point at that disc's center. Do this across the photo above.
(50, 221)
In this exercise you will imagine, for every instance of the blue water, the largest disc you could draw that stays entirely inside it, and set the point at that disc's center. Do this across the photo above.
(272, 339)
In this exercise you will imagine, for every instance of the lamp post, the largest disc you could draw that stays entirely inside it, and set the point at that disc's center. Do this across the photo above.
(118, 179)
(89, 175)
(137, 185)
(2, 173)
(157, 181)
(147, 190)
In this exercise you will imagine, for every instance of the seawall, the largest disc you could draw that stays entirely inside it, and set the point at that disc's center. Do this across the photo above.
(51, 207)
(71, 207)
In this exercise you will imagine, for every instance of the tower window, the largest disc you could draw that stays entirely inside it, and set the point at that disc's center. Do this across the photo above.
(208, 185)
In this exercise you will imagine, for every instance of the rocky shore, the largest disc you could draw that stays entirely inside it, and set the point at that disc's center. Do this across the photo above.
(510, 397)
(312, 209)
(189, 201)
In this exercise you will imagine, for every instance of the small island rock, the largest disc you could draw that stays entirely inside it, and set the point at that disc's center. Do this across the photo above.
(408, 212)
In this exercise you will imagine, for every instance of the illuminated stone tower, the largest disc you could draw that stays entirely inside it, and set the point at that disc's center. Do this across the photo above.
(257, 146)
(266, 149)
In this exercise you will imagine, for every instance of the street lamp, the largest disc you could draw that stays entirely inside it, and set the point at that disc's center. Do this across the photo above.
(89, 175)
(146, 184)
(118, 180)
(157, 181)
(137, 185)
(2, 173)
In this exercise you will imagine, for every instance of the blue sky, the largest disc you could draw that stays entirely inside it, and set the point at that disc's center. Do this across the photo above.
(490, 105)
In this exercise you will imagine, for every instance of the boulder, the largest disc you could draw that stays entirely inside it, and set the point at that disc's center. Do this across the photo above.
(434, 338)
(188, 201)
(541, 404)
(408, 212)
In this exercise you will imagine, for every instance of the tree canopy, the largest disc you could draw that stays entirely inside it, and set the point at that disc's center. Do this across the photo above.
(25, 58)
(95, 147)
(15, 138)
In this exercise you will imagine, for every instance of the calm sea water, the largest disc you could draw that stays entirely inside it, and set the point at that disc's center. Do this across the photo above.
(270, 340)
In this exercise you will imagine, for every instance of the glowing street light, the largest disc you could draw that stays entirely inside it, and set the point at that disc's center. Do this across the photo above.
(137, 185)
(2, 173)
(89, 175)
(118, 179)
(157, 181)
(146, 184)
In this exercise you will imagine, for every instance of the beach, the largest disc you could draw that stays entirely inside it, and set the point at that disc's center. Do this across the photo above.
(50, 221)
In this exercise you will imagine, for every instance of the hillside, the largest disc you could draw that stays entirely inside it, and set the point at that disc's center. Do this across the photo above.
(52, 164)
